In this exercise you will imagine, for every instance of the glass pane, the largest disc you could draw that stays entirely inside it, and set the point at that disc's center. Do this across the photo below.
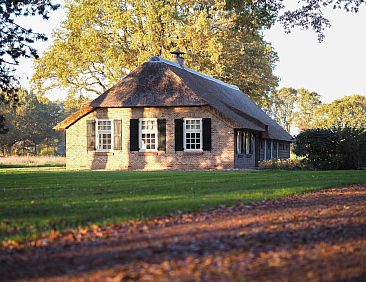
(104, 125)
(238, 142)
(193, 124)
(148, 140)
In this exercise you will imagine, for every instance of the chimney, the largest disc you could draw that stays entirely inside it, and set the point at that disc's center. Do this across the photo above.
(178, 58)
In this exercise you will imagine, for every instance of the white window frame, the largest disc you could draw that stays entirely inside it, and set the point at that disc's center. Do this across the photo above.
(97, 132)
(192, 131)
(265, 150)
(148, 131)
(239, 143)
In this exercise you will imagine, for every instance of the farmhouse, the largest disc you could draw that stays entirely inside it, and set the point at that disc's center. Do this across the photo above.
(164, 115)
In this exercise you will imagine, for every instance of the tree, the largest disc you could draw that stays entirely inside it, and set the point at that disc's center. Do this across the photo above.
(31, 121)
(16, 42)
(102, 41)
(3, 127)
(332, 148)
(307, 102)
(74, 103)
(307, 13)
(10, 110)
(37, 120)
(318, 147)
(283, 106)
(349, 111)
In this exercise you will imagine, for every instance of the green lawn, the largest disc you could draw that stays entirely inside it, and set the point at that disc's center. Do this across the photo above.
(36, 200)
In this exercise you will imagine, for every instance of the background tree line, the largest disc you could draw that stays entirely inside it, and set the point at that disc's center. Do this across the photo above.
(332, 135)
(28, 125)
(303, 109)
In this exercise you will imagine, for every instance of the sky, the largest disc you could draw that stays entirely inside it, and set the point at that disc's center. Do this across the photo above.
(333, 68)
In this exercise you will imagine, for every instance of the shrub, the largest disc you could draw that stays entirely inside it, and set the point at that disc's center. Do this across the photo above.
(47, 151)
(281, 164)
(334, 148)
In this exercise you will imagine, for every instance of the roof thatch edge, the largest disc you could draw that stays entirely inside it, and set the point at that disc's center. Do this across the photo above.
(73, 118)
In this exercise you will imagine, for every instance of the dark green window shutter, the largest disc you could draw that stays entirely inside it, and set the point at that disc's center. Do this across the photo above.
(134, 134)
(206, 124)
(90, 133)
(161, 134)
(178, 134)
(117, 134)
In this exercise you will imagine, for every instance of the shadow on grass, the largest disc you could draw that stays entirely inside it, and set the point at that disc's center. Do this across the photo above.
(177, 245)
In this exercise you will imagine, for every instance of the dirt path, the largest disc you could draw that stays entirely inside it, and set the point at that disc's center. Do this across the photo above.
(319, 236)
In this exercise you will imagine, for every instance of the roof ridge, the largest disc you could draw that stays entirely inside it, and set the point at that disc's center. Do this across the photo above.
(157, 59)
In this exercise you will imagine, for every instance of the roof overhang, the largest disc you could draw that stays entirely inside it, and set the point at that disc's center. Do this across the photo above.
(71, 119)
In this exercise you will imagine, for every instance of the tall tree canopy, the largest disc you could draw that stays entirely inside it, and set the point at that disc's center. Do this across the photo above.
(16, 40)
(294, 107)
(102, 40)
(349, 111)
(283, 103)
(303, 13)
(307, 103)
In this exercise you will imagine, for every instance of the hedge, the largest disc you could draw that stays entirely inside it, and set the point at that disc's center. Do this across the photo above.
(333, 148)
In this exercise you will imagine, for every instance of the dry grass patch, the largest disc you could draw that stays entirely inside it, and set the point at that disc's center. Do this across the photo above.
(31, 161)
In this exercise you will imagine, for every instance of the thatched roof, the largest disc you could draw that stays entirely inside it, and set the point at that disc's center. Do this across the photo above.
(160, 82)
(73, 118)
(152, 84)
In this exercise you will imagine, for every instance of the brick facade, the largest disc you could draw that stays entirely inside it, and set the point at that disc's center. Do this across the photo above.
(221, 155)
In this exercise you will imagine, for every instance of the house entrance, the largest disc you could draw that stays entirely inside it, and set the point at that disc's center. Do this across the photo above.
(246, 152)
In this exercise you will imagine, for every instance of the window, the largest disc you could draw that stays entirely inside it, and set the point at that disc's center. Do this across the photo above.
(239, 142)
(275, 149)
(248, 143)
(269, 150)
(148, 134)
(244, 142)
(252, 141)
(104, 135)
(192, 134)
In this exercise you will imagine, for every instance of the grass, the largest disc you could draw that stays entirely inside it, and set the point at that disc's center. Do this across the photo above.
(36, 200)
(31, 161)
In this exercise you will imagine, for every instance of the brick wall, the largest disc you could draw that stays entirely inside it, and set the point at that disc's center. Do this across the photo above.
(221, 155)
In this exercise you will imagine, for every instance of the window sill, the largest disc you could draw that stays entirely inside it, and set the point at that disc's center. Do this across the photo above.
(101, 153)
(152, 153)
(198, 152)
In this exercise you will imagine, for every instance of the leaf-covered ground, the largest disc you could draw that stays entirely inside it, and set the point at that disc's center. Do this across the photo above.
(318, 236)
